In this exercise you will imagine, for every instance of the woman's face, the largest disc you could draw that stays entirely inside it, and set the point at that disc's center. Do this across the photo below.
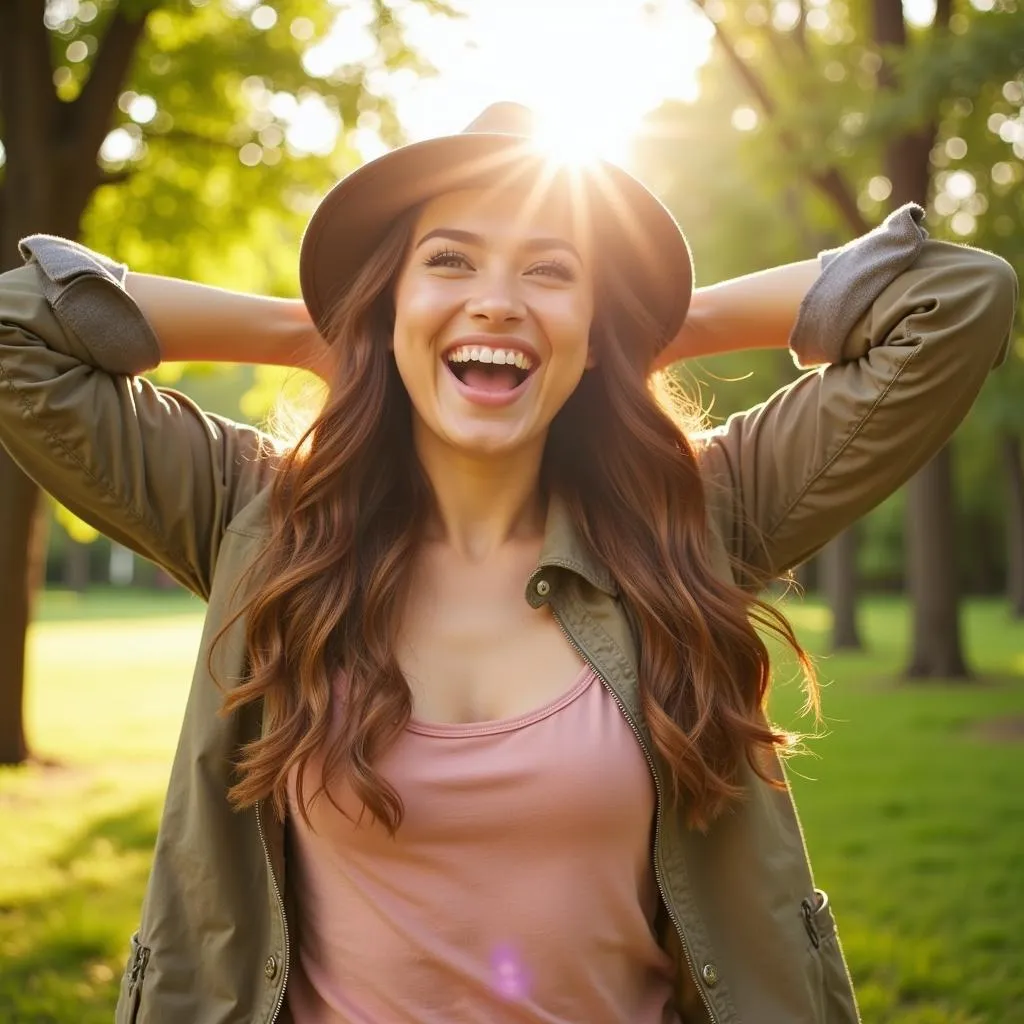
(493, 307)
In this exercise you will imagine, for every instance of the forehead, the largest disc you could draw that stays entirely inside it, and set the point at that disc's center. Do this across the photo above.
(504, 215)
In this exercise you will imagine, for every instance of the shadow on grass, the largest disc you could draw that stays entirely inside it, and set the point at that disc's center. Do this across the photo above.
(116, 603)
(131, 830)
(62, 953)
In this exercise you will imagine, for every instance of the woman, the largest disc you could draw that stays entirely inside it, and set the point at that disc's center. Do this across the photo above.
(401, 792)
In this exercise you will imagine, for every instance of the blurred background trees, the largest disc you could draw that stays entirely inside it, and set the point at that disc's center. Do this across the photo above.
(193, 137)
(844, 110)
(186, 137)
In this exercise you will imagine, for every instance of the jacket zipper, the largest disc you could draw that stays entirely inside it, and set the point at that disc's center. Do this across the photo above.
(284, 917)
(138, 968)
(657, 816)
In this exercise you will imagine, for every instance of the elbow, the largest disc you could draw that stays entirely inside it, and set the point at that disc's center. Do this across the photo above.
(996, 292)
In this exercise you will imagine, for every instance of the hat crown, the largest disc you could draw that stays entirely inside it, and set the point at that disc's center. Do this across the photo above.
(504, 118)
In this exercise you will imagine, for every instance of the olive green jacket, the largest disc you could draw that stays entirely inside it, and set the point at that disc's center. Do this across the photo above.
(909, 329)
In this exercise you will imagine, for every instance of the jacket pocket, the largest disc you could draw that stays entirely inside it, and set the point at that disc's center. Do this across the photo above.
(836, 1001)
(130, 997)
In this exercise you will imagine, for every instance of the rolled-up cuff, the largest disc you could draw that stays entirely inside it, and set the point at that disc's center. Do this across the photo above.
(852, 277)
(86, 292)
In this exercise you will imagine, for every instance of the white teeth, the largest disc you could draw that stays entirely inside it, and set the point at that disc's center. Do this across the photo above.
(496, 356)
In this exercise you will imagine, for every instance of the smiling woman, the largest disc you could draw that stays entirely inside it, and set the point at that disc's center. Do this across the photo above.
(478, 283)
(478, 728)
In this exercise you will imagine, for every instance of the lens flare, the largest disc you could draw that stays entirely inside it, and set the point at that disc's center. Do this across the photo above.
(509, 974)
(570, 139)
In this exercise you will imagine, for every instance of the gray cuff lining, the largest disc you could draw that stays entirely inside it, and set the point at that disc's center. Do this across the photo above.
(852, 277)
(86, 292)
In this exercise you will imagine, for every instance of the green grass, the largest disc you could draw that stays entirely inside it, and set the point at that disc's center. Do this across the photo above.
(914, 813)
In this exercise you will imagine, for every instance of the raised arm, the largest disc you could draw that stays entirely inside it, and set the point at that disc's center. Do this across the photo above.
(197, 323)
(903, 332)
(755, 311)
(143, 464)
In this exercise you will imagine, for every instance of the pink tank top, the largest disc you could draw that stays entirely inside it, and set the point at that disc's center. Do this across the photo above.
(518, 889)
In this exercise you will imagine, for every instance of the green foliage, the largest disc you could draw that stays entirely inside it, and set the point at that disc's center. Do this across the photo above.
(227, 133)
(214, 152)
(77, 529)
(236, 116)
(896, 801)
(744, 180)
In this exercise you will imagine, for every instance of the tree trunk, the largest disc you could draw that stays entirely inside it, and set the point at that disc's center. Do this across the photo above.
(931, 541)
(50, 174)
(76, 566)
(25, 202)
(839, 584)
(1011, 446)
(931, 567)
(18, 514)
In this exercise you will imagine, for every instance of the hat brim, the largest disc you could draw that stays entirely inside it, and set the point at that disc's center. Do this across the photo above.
(629, 225)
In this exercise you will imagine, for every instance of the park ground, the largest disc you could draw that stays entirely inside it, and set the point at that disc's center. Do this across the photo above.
(912, 802)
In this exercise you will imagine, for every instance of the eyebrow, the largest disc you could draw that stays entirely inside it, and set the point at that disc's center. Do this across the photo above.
(471, 238)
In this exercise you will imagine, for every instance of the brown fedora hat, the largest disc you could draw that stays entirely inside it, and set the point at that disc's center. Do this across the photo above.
(630, 227)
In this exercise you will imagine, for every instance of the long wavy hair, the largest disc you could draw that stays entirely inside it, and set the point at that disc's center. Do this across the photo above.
(347, 509)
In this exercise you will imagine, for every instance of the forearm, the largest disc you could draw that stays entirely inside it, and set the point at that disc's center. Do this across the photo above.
(754, 311)
(195, 322)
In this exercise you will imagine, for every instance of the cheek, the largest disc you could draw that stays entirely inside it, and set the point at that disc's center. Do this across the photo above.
(568, 329)
(422, 306)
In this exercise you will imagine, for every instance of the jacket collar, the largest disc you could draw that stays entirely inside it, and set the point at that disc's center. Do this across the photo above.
(563, 548)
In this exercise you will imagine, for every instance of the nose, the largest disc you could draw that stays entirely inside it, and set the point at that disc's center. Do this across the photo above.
(496, 300)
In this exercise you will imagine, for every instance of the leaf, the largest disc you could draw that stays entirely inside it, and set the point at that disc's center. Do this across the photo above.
(77, 529)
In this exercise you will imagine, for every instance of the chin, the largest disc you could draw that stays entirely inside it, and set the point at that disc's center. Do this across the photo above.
(486, 438)
(488, 443)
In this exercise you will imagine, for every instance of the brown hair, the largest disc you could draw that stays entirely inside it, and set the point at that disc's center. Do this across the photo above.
(346, 512)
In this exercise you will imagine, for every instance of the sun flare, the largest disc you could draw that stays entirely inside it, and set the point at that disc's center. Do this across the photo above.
(590, 71)
(568, 138)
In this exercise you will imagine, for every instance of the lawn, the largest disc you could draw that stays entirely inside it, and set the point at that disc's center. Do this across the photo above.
(912, 801)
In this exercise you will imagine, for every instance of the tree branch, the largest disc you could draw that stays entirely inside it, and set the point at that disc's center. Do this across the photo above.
(742, 68)
(90, 114)
(800, 29)
(836, 187)
(184, 135)
(831, 182)
(112, 177)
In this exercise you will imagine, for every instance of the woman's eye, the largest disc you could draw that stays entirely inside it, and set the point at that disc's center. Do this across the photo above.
(553, 268)
(447, 258)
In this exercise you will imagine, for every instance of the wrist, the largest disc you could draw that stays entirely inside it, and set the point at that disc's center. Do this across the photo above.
(695, 338)
(302, 344)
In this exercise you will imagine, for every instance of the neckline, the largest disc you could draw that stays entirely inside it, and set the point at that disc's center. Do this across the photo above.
(492, 727)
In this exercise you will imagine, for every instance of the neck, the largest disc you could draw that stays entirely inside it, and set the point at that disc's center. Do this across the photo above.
(482, 502)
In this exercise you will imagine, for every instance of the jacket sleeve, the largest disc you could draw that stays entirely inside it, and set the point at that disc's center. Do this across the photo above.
(908, 329)
(142, 464)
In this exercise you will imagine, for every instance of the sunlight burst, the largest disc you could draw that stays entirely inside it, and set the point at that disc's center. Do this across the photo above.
(591, 75)
(568, 138)
(591, 72)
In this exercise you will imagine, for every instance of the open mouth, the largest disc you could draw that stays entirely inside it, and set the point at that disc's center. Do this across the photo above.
(490, 369)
